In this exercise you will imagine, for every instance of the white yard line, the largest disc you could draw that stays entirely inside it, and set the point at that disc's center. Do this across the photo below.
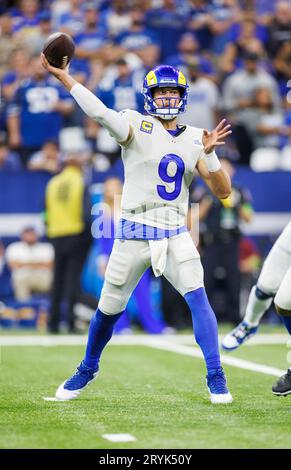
(60, 340)
(119, 437)
(52, 399)
(131, 340)
(231, 361)
(162, 342)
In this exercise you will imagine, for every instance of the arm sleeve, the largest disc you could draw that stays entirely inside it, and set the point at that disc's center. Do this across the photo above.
(117, 125)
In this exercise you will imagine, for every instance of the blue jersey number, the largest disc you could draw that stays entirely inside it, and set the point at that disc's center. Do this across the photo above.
(175, 178)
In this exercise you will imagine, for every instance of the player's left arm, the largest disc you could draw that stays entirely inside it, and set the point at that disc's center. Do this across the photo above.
(209, 167)
(218, 181)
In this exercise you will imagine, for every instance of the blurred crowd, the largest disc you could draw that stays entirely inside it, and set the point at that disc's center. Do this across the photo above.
(236, 55)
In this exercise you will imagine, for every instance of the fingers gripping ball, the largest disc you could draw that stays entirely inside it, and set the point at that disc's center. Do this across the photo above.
(59, 49)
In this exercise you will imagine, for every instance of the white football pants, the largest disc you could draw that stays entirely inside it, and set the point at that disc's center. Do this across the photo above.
(130, 258)
(275, 277)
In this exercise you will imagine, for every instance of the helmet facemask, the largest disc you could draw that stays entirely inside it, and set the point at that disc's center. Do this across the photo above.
(171, 106)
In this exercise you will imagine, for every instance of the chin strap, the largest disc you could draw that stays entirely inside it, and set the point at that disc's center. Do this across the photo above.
(166, 117)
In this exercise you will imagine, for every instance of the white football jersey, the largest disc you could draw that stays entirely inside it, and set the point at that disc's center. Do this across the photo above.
(158, 170)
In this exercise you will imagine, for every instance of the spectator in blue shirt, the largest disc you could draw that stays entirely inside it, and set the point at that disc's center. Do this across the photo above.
(224, 14)
(72, 22)
(11, 80)
(199, 22)
(26, 19)
(37, 111)
(35, 41)
(246, 37)
(248, 26)
(19, 70)
(264, 9)
(168, 24)
(90, 41)
(188, 50)
(121, 93)
(138, 38)
(116, 17)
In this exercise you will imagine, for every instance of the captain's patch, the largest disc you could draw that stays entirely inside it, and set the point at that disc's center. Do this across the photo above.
(146, 127)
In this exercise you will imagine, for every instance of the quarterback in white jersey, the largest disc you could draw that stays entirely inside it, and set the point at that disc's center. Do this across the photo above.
(159, 161)
(168, 162)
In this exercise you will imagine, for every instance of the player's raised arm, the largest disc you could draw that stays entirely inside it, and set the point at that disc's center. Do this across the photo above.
(209, 167)
(117, 126)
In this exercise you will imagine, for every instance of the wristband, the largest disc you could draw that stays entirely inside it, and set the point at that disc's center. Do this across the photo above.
(212, 162)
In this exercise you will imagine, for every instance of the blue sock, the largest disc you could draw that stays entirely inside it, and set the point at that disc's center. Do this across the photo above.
(287, 323)
(205, 327)
(100, 332)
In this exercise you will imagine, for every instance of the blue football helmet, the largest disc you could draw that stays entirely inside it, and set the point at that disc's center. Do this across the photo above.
(165, 76)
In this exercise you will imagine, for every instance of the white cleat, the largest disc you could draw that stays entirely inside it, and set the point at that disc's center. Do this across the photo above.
(243, 332)
(64, 394)
(220, 398)
(229, 343)
(72, 387)
(217, 387)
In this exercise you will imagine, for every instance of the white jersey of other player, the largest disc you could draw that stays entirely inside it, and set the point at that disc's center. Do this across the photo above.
(158, 171)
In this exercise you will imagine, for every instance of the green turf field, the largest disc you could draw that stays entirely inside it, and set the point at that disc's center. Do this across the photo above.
(157, 396)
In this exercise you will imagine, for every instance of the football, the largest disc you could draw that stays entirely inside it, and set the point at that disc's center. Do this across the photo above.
(59, 49)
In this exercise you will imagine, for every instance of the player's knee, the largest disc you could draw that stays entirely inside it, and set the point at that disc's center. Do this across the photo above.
(282, 311)
(282, 301)
(191, 278)
(193, 287)
(113, 298)
(262, 294)
(112, 303)
(269, 280)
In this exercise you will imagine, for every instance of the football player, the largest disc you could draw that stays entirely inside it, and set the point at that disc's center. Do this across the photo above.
(273, 284)
(159, 159)
(283, 306)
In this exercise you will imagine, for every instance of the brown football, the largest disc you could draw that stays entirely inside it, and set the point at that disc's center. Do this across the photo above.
(59, 49)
